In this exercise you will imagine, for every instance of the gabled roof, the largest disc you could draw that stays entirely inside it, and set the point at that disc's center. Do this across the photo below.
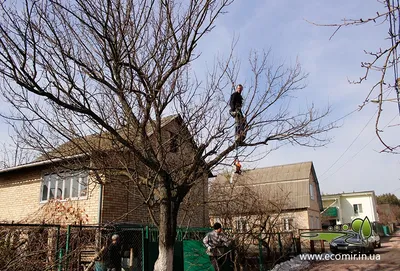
(291, 181)
(102, 140)
(70, 149)
(281, 173)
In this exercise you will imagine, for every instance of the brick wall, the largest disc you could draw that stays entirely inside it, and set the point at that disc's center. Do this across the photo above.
(194, 211)
(300, 218)
(122, 202)
(20, 199)
(19, 195)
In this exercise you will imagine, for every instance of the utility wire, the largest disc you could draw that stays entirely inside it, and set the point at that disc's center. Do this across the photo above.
(351, 144)
(348, 114)
(394, 38)
(355, 110)
(351, 158)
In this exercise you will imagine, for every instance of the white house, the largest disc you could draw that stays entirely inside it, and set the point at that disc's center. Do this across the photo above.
(344, 208)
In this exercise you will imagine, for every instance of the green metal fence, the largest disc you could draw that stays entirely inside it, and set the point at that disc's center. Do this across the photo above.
(86, 245)
(189, 252)
(77, 247)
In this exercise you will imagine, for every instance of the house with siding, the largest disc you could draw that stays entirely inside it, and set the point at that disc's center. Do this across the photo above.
(343, 208)
(64, 189)
(294, 187)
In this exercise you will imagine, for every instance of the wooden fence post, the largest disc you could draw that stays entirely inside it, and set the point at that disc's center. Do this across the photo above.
(312, 248)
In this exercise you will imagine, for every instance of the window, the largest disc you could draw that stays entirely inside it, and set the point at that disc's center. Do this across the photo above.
(64, 185)
(288, 224)
(357, 209)
(312, 191)
(173, 143)
(241, 225)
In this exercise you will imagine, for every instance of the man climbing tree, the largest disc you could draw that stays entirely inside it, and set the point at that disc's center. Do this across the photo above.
(236, 103)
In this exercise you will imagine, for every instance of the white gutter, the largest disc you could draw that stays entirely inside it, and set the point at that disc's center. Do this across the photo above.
(40, 163)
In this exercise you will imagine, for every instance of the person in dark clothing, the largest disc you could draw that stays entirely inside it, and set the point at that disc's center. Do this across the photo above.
(236, 103)
(113, 255)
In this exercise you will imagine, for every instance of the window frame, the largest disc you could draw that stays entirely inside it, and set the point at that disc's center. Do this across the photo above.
(241, 224)
(52, 181)
(173, 145)
(288, 223)
(312, 197)
(357, 208)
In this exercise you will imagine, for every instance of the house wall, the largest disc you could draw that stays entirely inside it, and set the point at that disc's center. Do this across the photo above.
(20, 199)
(345, 207)
(314, 219)
(19, 195)
(347, 210)
(194, 211)
(304, 219)
(122, 202)
(314, 205)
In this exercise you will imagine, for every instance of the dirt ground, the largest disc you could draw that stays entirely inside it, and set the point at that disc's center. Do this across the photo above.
(389, 259)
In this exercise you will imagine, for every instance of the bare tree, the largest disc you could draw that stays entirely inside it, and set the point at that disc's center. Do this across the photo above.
(388, 213)
(16, 153)
(383, 60)
(252, 217)
(103, 75)
(24, 249)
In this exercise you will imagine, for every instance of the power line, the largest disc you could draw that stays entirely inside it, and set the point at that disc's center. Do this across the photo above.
(393, 36)
(351, 144)
(348, 114)
(351, 158)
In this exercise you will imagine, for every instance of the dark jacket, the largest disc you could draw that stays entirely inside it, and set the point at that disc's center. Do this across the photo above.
(113, 256)
(236, 101)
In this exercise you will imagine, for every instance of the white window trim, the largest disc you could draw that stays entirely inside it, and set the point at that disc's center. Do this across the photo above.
(288, 224)
(241, 224)
(80, 181)
(359, 209)
(312, 197)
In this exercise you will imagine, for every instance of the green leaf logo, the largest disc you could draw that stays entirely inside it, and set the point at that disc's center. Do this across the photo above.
(362, 227)
(356, 224)
(366, 229)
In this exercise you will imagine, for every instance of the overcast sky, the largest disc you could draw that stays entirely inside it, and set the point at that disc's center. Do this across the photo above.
(352, 162)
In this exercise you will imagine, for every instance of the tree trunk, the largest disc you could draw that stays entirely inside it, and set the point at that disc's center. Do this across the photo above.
(167, 234)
